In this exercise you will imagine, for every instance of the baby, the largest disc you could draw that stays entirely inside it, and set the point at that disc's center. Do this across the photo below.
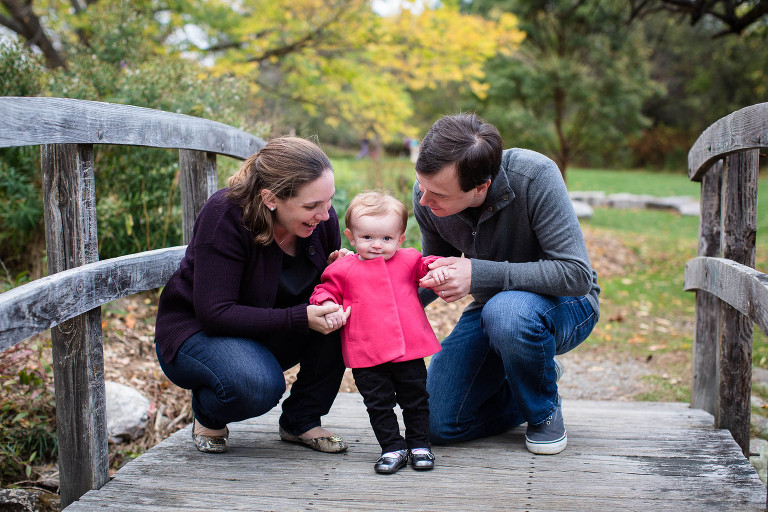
(387, 334)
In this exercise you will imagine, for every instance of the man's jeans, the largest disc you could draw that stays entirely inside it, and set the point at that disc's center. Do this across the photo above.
(233, 379)
(497, 370)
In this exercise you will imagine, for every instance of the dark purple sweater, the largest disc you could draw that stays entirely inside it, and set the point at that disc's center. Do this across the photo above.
(226, 284)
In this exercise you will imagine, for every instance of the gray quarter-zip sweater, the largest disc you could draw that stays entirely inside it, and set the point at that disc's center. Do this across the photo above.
(526, 238)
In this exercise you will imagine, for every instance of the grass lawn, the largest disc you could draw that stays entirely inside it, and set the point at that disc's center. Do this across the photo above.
(644, 311)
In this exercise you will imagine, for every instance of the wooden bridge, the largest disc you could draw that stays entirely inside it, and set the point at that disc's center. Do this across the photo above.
(621, 456)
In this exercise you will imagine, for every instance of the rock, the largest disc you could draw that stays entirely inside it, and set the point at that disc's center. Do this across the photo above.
(691, 209)
(592, 198)
(625, 201)
(20, 500)
(671, 202)
(127, 412)
(583, 210)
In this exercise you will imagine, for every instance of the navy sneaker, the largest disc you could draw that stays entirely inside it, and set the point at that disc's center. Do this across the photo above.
(548, 437)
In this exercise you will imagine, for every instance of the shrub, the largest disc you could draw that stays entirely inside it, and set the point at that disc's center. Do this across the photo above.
(27, 413)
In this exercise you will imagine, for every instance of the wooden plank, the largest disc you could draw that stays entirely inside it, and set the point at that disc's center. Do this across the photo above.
(31, 121)
(739, 228)
(198, 181)
(78, 364)
(620, 456)
(704, 393)
(745, 129)
(740, 286)
(34, 307)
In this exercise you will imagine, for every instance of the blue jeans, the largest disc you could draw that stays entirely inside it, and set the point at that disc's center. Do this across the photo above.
(496, 370)
(233, 379)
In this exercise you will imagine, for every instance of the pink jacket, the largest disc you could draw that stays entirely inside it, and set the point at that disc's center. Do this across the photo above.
(388, 323)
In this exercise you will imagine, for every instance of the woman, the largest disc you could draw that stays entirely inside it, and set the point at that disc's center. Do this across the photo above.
(235, 314)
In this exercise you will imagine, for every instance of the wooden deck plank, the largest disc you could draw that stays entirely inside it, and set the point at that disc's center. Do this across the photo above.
(620, 456)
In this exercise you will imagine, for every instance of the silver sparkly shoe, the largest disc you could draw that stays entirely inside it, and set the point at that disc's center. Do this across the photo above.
(210, 444)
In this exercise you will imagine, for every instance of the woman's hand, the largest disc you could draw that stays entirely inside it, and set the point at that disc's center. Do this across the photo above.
(338, 254)
(316, 317)
(453, 281)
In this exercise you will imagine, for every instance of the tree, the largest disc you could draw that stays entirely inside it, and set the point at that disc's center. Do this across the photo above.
(335, 59)
(577, 85)
(735, 15)
(343, 63)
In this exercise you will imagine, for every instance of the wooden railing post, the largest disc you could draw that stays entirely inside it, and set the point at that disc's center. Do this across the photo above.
(198, 180)
(706, 321)
(739, 227)
(78, 361)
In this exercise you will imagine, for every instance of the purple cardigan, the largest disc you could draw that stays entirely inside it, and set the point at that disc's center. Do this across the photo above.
(226, 285)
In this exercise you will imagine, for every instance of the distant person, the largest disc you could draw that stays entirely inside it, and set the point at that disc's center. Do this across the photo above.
(526, 265)
(413, 149)
(387, 335)
(236, 313)
(363, 149)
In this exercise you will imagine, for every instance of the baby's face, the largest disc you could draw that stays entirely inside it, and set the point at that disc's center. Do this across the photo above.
(376, 237)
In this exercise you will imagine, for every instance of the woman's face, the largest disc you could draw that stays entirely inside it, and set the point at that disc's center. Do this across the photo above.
(301, 213)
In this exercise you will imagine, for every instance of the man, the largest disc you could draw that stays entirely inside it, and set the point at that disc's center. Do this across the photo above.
(525, 264)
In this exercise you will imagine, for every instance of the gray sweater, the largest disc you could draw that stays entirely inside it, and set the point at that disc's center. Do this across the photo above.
(526, 238)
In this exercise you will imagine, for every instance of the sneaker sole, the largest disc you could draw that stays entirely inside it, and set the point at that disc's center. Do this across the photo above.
(550, 448)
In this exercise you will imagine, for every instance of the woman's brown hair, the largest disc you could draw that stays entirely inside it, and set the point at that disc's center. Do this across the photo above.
(282, 166)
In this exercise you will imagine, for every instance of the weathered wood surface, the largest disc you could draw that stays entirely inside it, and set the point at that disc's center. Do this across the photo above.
(704, 392)
(742, 130)
(43, 303)
(739, 228)
(198, 181)
(743, 287)
(621, 456)
(32, 121)
(69, 208)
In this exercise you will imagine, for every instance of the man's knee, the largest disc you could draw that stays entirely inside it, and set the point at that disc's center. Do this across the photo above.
(441, 432)
(510, 317)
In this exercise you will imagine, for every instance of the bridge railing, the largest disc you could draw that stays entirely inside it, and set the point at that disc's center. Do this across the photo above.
(730, 294)
(68, 301)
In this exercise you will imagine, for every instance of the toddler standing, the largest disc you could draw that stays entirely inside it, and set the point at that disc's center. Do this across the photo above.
(387, 334)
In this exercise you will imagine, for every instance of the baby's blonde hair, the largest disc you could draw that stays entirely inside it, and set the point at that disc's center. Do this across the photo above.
(375, 204)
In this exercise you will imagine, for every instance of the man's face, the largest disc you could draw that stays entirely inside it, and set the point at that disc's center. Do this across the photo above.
(443, 195)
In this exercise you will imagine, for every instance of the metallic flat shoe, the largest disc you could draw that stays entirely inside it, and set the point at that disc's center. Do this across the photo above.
(329, 444)
(210, 444)
(422, 458)
(391, 462)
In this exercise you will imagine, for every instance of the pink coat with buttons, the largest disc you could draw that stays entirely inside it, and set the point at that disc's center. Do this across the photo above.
(387, 322)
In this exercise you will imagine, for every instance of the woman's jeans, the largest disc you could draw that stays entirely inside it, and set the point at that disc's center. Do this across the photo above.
(497, 370)
(233, 379)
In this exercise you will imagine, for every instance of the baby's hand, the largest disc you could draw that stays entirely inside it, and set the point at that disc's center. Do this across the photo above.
(337, 319)
(338, 254)
(439, 275)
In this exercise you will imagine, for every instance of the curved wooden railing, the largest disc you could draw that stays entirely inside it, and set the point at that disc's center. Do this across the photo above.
(68, 300)
(730, 293)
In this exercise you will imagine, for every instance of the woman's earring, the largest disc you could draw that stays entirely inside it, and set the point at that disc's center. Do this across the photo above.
(271, 208)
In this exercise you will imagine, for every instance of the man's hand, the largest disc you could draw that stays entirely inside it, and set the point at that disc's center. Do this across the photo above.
(453, 281)
(318, 321)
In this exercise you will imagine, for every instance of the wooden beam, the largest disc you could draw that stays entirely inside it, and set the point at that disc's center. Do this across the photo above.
(742, 287)
(704, 394)
(198, 180)
(51, 300)
(32, 121)
(78, 363)
(742, 130)
(737, 239)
